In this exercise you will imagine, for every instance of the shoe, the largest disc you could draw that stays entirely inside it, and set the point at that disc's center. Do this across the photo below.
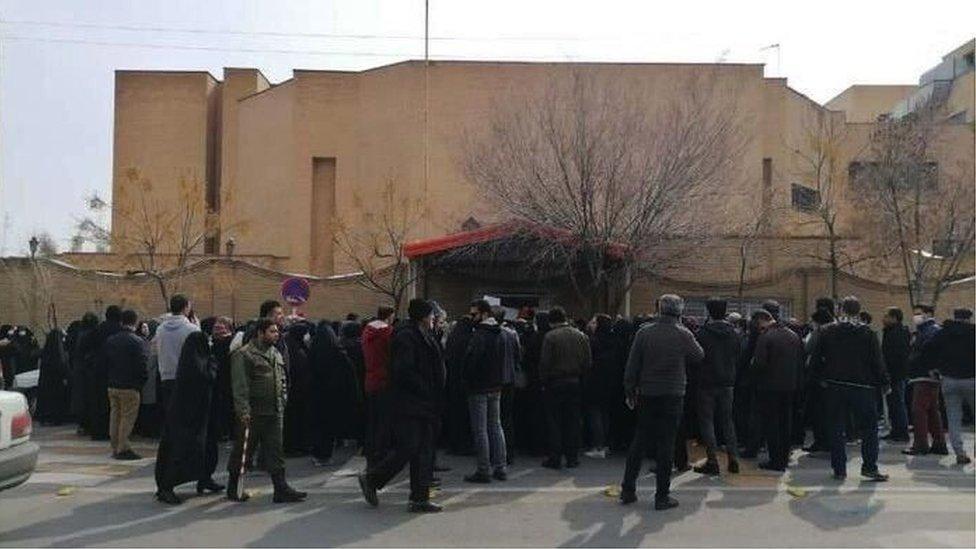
(435, 482)
(441, 468)
(665, 504)
(478, 478)
(552, 464)
(940, 450)
(232, 483)
(168, 497)
(209, 486)
(914, 452)
(733, 467)
(369, 492)
(597, 454)
(767, 466)
(572, 463)
(839, 476)
(627, 497)
(283, 493)
(317, 462)
(963, 459)
(709, 468)
(895, 438)
(423, 507)
(815, 449)
(128, 455)
(683, 468)
(874, 476)
(499, 475)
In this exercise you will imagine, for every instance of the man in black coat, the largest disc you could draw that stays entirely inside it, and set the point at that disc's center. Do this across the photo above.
(97, 366)
(483, 374)
(950, 351)
(895, 348)
(721, 344)
(846, 361)
(777, 364)
(127, 359)
(417, 376)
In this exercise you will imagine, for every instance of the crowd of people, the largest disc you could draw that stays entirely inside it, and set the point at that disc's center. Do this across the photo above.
(497, 389)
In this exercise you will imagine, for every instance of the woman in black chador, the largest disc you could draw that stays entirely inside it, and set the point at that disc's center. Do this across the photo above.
(336, 407)
(52, 387)
(188, 449)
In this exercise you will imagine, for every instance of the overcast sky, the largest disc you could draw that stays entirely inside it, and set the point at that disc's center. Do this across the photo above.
(57, 59)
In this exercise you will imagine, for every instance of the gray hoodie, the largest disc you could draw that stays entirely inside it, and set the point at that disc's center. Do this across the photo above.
(168, 343)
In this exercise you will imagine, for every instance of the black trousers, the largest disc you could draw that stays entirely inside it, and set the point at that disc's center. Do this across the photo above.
(562, 401)
(776, 408)
(164, 393)
(657, 424)
(379, 434)
(414, 445)
(508, 420)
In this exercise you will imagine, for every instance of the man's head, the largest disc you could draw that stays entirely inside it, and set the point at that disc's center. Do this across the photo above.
(557, 315)
(223, 327)
(762, 320)
(385, 314)
(421, 312)
(865, 317)
(272, 310)
(480, 309)
(179, 305)
(962, 314)
(893, 317)
(717, 308)
(922, 312)
(850, 306)
(772, 307)
(825, 304)
(267, 331)
(130, 319)
(498, 313)
(113, 313)
(670, 305)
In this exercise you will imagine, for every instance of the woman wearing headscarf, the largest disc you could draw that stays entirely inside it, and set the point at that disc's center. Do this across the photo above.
(351, 342)
(294, 433)
(188, 449)
(79, 373)
(333, 395)
(52, 386)
(147, 422)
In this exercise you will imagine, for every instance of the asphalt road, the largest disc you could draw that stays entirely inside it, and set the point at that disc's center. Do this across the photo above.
(79, 497)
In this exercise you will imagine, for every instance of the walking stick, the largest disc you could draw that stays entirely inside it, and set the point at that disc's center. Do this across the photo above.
(239, 493)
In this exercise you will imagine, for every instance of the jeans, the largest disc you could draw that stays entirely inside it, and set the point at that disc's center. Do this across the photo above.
(777, 412)
(926, 416)
(657, 425)
(897, 410)
(840, 401)
(414, 442)
(124, 405)
(486, 429)
(955, 391)
(562, 403)
(712, 401)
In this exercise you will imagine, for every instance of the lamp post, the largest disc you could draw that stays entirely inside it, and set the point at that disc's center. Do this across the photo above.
(33, 244)
(230, 245)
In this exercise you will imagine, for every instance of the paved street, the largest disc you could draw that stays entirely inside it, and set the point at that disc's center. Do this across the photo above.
(79, 497)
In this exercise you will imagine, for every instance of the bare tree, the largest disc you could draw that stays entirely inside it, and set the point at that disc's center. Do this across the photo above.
(617, 181)
(927, 210)
(158, 229)
(46, 246)
(747, 243)
(375, 244)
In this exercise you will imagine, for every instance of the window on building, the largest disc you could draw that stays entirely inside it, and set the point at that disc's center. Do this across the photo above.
(805, 199)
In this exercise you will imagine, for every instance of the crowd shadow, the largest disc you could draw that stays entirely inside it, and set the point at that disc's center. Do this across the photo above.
(929, 470)
(831, 508)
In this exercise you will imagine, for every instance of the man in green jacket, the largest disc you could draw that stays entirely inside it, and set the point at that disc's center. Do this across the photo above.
(257, 380)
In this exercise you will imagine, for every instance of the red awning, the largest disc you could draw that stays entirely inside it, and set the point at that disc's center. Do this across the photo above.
(429, 246)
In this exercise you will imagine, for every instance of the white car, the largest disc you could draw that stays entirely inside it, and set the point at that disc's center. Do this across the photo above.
(18, 455)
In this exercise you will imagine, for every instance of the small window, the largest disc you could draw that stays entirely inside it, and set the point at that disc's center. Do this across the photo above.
(805, 199)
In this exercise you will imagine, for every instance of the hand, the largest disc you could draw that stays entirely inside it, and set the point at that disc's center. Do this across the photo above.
(631, 402)
(246, 420)
(886, 390)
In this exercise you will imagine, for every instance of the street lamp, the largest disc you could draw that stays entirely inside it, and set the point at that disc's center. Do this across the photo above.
(230, 245)
(33, 243)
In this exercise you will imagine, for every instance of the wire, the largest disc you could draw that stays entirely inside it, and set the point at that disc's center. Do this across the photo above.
(233, 32)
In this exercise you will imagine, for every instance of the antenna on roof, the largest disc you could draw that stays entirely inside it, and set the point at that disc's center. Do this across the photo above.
(778, 59)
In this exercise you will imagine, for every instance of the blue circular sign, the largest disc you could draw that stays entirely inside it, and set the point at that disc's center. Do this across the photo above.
(295, 291)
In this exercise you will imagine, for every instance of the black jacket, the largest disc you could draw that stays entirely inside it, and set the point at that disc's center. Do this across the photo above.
(896, 344)
(722, 346)
(416, 372)
(484, 360)
(127, 358)
(848, 353)
(778, 359)
(951, 350)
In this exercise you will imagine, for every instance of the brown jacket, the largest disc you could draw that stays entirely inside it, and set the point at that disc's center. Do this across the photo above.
(565, 354)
